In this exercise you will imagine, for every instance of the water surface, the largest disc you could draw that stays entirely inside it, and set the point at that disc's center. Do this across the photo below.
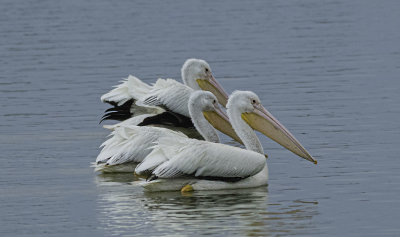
(328, 70)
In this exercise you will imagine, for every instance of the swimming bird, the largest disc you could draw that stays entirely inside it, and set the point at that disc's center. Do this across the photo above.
(131, 144)
(188, 164)
(167, 98)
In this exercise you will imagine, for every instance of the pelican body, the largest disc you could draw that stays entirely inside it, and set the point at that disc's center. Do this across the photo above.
(131, 144)
(134, 97)
(187, 164)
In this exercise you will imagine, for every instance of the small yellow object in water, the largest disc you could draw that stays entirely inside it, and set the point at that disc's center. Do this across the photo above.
(187, 188)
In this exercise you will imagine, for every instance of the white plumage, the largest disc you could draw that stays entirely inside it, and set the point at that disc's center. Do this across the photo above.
(158, 185)
(183, 156)
(170, 94)
(167, 93)
(130, 88)
(131, 144)
(180, 162)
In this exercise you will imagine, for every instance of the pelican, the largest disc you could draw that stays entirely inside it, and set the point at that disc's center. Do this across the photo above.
(167, 98)
(188, 164)
(130, 144)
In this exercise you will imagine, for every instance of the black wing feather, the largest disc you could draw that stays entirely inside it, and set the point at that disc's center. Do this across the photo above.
(168, 118)
(118, 112)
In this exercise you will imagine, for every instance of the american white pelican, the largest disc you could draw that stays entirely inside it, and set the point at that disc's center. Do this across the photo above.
(188, 164)
(134, 97)
(131, 144)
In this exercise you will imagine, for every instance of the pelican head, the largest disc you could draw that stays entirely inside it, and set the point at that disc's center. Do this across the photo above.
(247, 105)
(207, 103)
(204, 101)
(196, 73)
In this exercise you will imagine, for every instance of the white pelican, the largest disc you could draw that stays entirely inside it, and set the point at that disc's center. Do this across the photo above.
(131, 144)
(188, 164)
(134, 97)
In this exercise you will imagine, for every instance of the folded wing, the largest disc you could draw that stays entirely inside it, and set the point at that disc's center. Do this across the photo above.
(188, 157)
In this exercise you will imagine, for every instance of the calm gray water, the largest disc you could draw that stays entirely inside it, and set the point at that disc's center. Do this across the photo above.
(328, 70)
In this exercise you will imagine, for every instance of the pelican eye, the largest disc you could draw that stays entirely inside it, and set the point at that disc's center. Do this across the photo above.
(253, 101)
(214, 101)
(206, 69)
